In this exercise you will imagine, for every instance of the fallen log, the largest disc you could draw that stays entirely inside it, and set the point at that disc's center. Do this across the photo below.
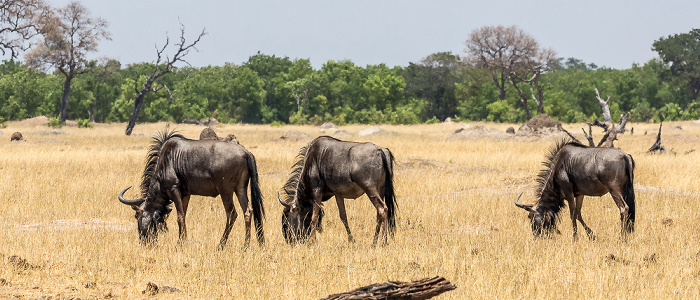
(418, 289)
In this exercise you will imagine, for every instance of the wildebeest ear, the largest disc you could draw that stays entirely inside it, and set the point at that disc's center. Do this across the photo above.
(136, 208)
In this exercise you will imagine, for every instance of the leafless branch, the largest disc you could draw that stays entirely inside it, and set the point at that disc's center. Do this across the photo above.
(589, 135)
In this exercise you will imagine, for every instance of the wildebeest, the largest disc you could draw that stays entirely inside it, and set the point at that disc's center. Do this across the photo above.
(572, 171)
(177, 167)
(210, 134)
(328, 167)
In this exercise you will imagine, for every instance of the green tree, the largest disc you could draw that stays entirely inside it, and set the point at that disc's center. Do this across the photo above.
(433, 79)
(681, 51)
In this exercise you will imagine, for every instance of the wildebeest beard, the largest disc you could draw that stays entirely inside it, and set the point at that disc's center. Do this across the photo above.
(543, 223)
(153, 214)
(296, 226)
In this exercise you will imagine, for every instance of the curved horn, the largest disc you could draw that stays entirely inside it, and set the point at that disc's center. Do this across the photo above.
(127, 201)
(527, 207)
(287, 206)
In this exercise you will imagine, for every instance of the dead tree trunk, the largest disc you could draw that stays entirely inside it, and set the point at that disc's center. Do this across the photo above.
(657, 145)
(182, 51)
(623, 122)
(523, 99)
(604, 106)
(606, 115)
(609, 137)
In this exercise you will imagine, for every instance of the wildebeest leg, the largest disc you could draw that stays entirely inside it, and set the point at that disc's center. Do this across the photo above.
(579, 204)
(343, 217)
(247, 209)
(573, 214)
(174, 194)
(231, 215)
(382, 217)
(185, 203)
(624, 211)
(315, 215)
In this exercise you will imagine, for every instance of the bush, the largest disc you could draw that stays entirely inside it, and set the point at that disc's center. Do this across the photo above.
(298, 119)
(84, 123)
(277, 124)
(55, 123)
(432, 120)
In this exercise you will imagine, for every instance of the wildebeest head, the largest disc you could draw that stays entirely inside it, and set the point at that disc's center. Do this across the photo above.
(296, 221)
(542, 221)
(151, 214)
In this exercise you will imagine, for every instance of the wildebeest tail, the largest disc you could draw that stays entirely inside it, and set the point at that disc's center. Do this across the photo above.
(629, 191)
(389, 196)
(256, 199)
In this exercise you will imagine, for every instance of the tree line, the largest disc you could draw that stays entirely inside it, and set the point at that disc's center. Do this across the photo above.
(503, 75)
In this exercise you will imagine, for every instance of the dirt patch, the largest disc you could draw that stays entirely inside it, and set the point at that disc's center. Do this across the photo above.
(293, 136)
(540, 125)
(476, 132)
(75, 224)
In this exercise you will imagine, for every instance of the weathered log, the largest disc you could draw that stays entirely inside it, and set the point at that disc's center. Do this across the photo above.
(418, 289)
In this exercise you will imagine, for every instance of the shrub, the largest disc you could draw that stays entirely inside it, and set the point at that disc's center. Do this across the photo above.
(55, 123)
(84, 123)
(432, 120)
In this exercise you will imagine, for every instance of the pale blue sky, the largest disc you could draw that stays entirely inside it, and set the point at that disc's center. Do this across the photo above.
(605, 32)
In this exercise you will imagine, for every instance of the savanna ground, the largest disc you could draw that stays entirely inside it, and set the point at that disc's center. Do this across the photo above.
(63, 234)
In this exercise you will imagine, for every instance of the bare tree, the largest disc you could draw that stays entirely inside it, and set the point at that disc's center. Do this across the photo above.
(510, 54)
(68, 38)
(534, 68)
(607, 119)
(19, 24)
(163, 65)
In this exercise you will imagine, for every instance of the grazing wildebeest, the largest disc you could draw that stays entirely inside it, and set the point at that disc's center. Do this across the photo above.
(573, 171)
(178, 167)
(328, 167)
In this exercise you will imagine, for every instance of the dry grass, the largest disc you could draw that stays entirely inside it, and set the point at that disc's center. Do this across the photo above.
(63, 233)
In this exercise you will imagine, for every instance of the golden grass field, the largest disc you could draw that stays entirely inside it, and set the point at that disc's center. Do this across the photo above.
(63, 234)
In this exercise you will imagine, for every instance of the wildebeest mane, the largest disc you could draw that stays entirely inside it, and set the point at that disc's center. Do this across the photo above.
(152, 157)
(546, 189)
(295, 184)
